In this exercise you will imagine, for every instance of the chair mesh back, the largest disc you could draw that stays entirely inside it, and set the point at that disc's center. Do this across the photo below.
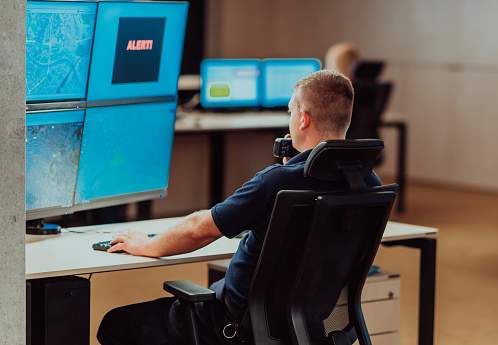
(339, 318)
(289, 257)
(342, 249)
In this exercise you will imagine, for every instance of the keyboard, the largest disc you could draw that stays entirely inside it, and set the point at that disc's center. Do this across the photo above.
(105, 245)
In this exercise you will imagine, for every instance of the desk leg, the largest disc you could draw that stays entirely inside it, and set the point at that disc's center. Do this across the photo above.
(217, 167)
(28, 313)
(427, 287)
(144, 210)
(401, 166)
(401, 178)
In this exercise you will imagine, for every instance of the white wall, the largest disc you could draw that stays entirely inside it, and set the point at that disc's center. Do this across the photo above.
(442, 56)
(12, 139)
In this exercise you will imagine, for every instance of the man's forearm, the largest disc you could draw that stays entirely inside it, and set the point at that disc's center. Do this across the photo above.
(194, 232)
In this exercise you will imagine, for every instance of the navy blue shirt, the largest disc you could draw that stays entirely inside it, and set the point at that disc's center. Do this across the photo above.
(250, 209)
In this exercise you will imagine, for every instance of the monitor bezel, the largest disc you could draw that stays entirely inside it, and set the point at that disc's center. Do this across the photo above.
(121, 199)
(128, 101)
(97, 203)
(54, 106)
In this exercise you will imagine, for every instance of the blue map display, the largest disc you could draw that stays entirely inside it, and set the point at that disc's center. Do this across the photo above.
(125, 149)
(58, 47)
(53, 143)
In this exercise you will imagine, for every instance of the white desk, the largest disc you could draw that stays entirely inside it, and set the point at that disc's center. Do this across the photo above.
(71, 253)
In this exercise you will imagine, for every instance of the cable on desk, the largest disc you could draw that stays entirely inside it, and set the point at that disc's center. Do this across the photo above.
(125, 231)
(190, 105)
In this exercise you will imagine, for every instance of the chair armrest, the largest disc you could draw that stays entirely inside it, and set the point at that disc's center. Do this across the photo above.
(188, 291)
(188, 294)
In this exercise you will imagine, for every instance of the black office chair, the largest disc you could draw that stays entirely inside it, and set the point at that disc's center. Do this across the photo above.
(318, 250)
(370, 100)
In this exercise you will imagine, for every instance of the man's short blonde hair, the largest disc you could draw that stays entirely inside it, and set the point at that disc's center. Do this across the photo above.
(327, 96)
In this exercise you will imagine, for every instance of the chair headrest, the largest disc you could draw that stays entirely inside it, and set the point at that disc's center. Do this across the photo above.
(339, 160)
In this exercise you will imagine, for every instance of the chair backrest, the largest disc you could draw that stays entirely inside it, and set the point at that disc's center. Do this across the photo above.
(369, 103)
(367, 71)
(317, 245)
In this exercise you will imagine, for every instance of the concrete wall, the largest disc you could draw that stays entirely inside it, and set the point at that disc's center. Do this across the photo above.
(442, 57)
(12, 141)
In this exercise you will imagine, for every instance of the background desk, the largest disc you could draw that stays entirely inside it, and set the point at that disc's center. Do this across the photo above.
(217, 125)
(71, 253)
(197, 121)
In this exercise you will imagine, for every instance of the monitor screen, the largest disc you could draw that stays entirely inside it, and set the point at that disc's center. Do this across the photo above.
(279, 76)
(125, 154)
(58, 46)
(230, 83)
(53, 141)
(137, 50)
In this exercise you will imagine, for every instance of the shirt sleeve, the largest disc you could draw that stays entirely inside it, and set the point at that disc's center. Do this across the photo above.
(246, 209)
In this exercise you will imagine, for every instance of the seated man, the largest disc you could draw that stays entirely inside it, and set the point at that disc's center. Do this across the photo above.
(320, 109)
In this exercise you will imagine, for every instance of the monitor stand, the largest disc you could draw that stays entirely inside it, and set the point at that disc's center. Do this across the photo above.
(38, 227)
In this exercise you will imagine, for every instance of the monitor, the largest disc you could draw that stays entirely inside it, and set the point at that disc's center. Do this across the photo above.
(137, 52)
(230, 83)
(279, 76)
(59, 39)
(125, 154)
(53, 141)
(84, 159)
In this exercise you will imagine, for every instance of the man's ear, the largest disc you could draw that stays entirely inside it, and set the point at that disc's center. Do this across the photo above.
(305, 120)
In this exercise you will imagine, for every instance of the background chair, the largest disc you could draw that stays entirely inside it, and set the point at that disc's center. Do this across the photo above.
(319, 248)
(371, 99)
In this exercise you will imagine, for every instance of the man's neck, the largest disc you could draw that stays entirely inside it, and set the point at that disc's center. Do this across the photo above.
(313, 141)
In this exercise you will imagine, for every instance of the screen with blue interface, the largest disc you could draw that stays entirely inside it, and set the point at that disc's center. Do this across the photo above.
(230, 83)
(58, 46)
(53, 142)
(279, 76)
(126, 149)
(137, 50)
